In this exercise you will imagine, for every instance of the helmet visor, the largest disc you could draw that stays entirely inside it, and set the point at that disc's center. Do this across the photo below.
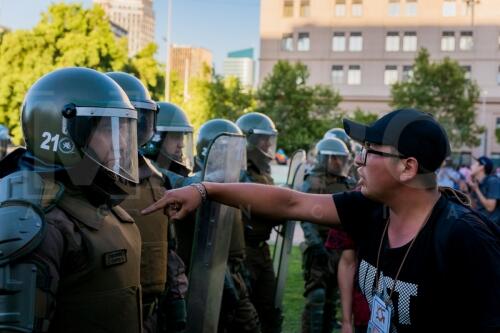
(112, 143)
(337, 165)
(145, 125)
(178, 146)
(264, 142)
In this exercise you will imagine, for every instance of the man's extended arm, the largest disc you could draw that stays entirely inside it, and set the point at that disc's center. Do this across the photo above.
(270, 201)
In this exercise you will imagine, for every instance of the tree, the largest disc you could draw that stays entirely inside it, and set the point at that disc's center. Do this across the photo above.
(144, 66)
(442, 89)
(216, 98)
(363, 117)
(67, 35)
(302, 113)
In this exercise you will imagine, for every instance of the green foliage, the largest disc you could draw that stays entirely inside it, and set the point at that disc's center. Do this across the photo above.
(442, 89)
(67, 35)
(301, 113)
(363, 117)
(217, 98)
(497, 134)
(144, 66)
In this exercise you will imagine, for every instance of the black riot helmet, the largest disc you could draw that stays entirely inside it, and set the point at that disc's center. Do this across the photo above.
(208, 131)
(332, 157)
(142, 102)
(73, 115)
(339, 133)
(172, 143)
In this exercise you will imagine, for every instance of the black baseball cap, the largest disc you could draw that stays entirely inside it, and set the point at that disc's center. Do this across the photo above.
(487, 163)
(412, 132)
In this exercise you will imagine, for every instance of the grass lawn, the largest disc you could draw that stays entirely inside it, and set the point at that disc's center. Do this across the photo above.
(294, 300)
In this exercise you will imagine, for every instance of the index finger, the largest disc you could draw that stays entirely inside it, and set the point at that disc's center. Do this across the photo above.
(160, 204)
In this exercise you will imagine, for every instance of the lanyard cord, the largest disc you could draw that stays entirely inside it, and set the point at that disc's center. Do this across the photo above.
(377, 276)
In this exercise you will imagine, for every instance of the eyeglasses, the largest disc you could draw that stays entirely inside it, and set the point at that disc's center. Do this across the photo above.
(363, 154)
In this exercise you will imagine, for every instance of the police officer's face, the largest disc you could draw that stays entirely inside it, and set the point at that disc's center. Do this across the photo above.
(107, 143)
(172, 145)
(264, 142)
(336, 164)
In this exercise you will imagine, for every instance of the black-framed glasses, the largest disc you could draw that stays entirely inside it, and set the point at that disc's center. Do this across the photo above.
(363, 155)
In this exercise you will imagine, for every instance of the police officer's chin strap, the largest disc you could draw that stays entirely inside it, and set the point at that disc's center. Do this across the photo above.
(259, 159)
(98, 184)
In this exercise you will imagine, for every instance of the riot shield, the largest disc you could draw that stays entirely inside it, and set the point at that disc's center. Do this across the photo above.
(284, 239)
(225, 159)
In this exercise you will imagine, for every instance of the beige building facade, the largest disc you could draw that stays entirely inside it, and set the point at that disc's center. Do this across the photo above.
(188, 61)
(136, 17)
(361, 47)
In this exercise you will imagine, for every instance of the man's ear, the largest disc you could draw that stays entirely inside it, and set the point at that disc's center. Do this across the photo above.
(409, 169)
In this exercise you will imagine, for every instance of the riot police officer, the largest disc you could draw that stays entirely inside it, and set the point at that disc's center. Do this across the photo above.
(154, 227)
(329, 175)
(170, 150)
(261, 136)
(71, 254)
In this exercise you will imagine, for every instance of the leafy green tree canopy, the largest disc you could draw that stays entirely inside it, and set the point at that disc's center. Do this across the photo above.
(66, 35)
(442, 89)
(301, 113)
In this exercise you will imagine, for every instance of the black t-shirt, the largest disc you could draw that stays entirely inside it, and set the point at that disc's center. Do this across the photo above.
(463, 295)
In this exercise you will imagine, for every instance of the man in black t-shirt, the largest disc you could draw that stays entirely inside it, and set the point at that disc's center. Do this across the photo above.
(428, 263)
(485, 189)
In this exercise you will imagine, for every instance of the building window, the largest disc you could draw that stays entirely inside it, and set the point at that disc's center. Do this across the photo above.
(449, 8)
(410, 41)
(340, 8)
(392, 41)
(287, 8)
(354, 75)
(287, 42)
(467, 71)
(303, 43)
(355, 42)
(448, 41)
(411, 7)
(390, 75)
(305, 8)
(337, 74)
(407, 72)
(338, 42)
(394, 8)
(357, 8)
(498, 76)
(466, 40)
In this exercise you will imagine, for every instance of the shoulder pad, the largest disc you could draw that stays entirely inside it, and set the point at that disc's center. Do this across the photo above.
(22, 226)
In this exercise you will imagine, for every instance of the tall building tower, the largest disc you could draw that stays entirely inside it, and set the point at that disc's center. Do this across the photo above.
(241, 65)
(188, 61)
(361, 47)
(134, 16)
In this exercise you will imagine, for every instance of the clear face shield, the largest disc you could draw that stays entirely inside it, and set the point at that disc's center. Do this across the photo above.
(178, 146)
(264, 142)
(112, 144)
(334, 164)
(146, 125)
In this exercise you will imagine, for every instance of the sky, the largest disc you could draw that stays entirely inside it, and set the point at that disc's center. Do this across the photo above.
(221, 26)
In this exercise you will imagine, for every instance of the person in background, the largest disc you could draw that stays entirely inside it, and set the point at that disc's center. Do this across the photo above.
(485, 189)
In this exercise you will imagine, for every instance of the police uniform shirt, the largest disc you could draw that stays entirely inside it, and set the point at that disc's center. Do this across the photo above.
(464, 296)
